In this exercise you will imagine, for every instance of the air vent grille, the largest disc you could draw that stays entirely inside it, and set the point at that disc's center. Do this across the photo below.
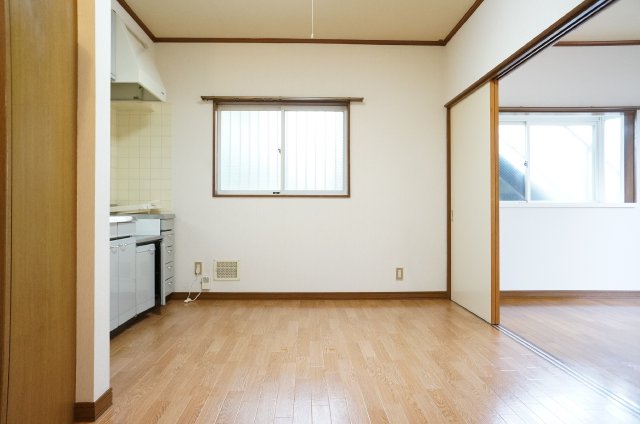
(227, 270)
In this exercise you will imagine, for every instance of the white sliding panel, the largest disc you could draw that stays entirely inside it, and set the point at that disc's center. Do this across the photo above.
(474, 270)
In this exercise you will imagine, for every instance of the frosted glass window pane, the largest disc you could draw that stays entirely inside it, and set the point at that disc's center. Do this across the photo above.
(613, 160)
(513, 155)
(249, 149)
(561, 167)
(281, 149)
(314, 150)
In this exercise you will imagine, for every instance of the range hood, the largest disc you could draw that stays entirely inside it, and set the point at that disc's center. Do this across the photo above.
(133, 71)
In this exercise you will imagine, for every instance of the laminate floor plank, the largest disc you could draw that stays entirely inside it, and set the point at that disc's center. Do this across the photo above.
(598, 338)
(324, 361)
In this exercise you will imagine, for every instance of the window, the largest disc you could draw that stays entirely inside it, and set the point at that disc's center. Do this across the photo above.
(566, 157)
(272, 149)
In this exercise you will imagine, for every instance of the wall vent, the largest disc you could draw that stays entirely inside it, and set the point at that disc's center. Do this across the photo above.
(227, 270)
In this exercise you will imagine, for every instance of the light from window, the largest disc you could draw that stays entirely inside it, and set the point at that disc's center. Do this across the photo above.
(281, 150)
(562, 157)
(513, 161)
(613, 162)
(314, 154)
(248, 155)
(561, 162)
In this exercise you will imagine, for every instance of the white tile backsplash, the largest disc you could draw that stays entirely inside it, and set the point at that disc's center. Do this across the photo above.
(141, 154)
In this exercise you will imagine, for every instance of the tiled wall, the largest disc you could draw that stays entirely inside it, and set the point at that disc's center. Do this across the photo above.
(141, 153)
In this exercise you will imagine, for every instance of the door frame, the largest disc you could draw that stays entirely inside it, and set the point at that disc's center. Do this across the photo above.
(5, 209)
(564, 25)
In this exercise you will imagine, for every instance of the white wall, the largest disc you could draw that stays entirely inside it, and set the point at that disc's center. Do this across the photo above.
(575, 76)
(101, 360)
(92, 333)
(572, 248)
(496, 30)
(397, 210)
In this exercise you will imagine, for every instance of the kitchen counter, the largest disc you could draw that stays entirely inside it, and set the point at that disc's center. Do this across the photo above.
(120, 218)
(153, 215)
(147, 239)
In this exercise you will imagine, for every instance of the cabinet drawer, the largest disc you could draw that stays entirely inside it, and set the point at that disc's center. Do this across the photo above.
(113, 230)
(167, 254)
(148, 227)
(168, 270)
(166, 224)
(169, 286)
(167, 238)
(126, 228)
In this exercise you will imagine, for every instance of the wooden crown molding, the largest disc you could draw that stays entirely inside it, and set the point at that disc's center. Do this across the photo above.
(139, 21)
(609, 43)
(299, 41)
(440, 43)
(462, 21)
(551, 35)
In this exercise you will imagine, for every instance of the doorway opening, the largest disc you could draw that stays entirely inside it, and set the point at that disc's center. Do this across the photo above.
(569, 222)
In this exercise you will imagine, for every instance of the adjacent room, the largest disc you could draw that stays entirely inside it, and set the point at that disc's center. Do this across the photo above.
(319, 211)
(569, 223)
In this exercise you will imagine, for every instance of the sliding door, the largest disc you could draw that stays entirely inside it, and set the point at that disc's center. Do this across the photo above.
(474, 202)
(38, 201)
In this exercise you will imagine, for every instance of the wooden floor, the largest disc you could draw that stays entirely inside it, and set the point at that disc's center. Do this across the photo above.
(598, 338)
(382, 361)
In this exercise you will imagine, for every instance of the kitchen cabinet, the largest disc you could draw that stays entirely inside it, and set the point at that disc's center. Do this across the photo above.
(113, 45)
(162, 225)
(168, 286)
(145, 277)
(113, 280)
(123, 280)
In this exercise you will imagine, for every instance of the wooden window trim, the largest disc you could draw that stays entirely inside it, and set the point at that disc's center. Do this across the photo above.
(629, 156)
(283, 101)
(325, 101)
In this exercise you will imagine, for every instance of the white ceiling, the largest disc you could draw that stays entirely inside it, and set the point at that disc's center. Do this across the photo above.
(619, 21)
(421, 20)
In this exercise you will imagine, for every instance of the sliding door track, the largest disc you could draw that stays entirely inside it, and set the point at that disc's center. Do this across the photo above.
(594, 385)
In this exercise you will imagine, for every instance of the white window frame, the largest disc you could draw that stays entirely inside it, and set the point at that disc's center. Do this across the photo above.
(282, 107)
(597, 120)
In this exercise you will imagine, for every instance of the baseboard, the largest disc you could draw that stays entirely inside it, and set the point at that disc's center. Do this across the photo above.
(91, 411)
(571, 294)
(312, 295)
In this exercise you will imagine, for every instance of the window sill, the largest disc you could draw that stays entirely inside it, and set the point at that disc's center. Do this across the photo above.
(510, 204)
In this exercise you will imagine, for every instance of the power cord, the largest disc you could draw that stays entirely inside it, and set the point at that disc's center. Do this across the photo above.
(188, 299)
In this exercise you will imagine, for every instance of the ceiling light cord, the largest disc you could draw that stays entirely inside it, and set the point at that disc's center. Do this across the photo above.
(312, 19)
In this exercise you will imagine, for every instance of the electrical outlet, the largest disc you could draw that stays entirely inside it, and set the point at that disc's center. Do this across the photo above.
(206, 282)
(399, 274)
(197, 269)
